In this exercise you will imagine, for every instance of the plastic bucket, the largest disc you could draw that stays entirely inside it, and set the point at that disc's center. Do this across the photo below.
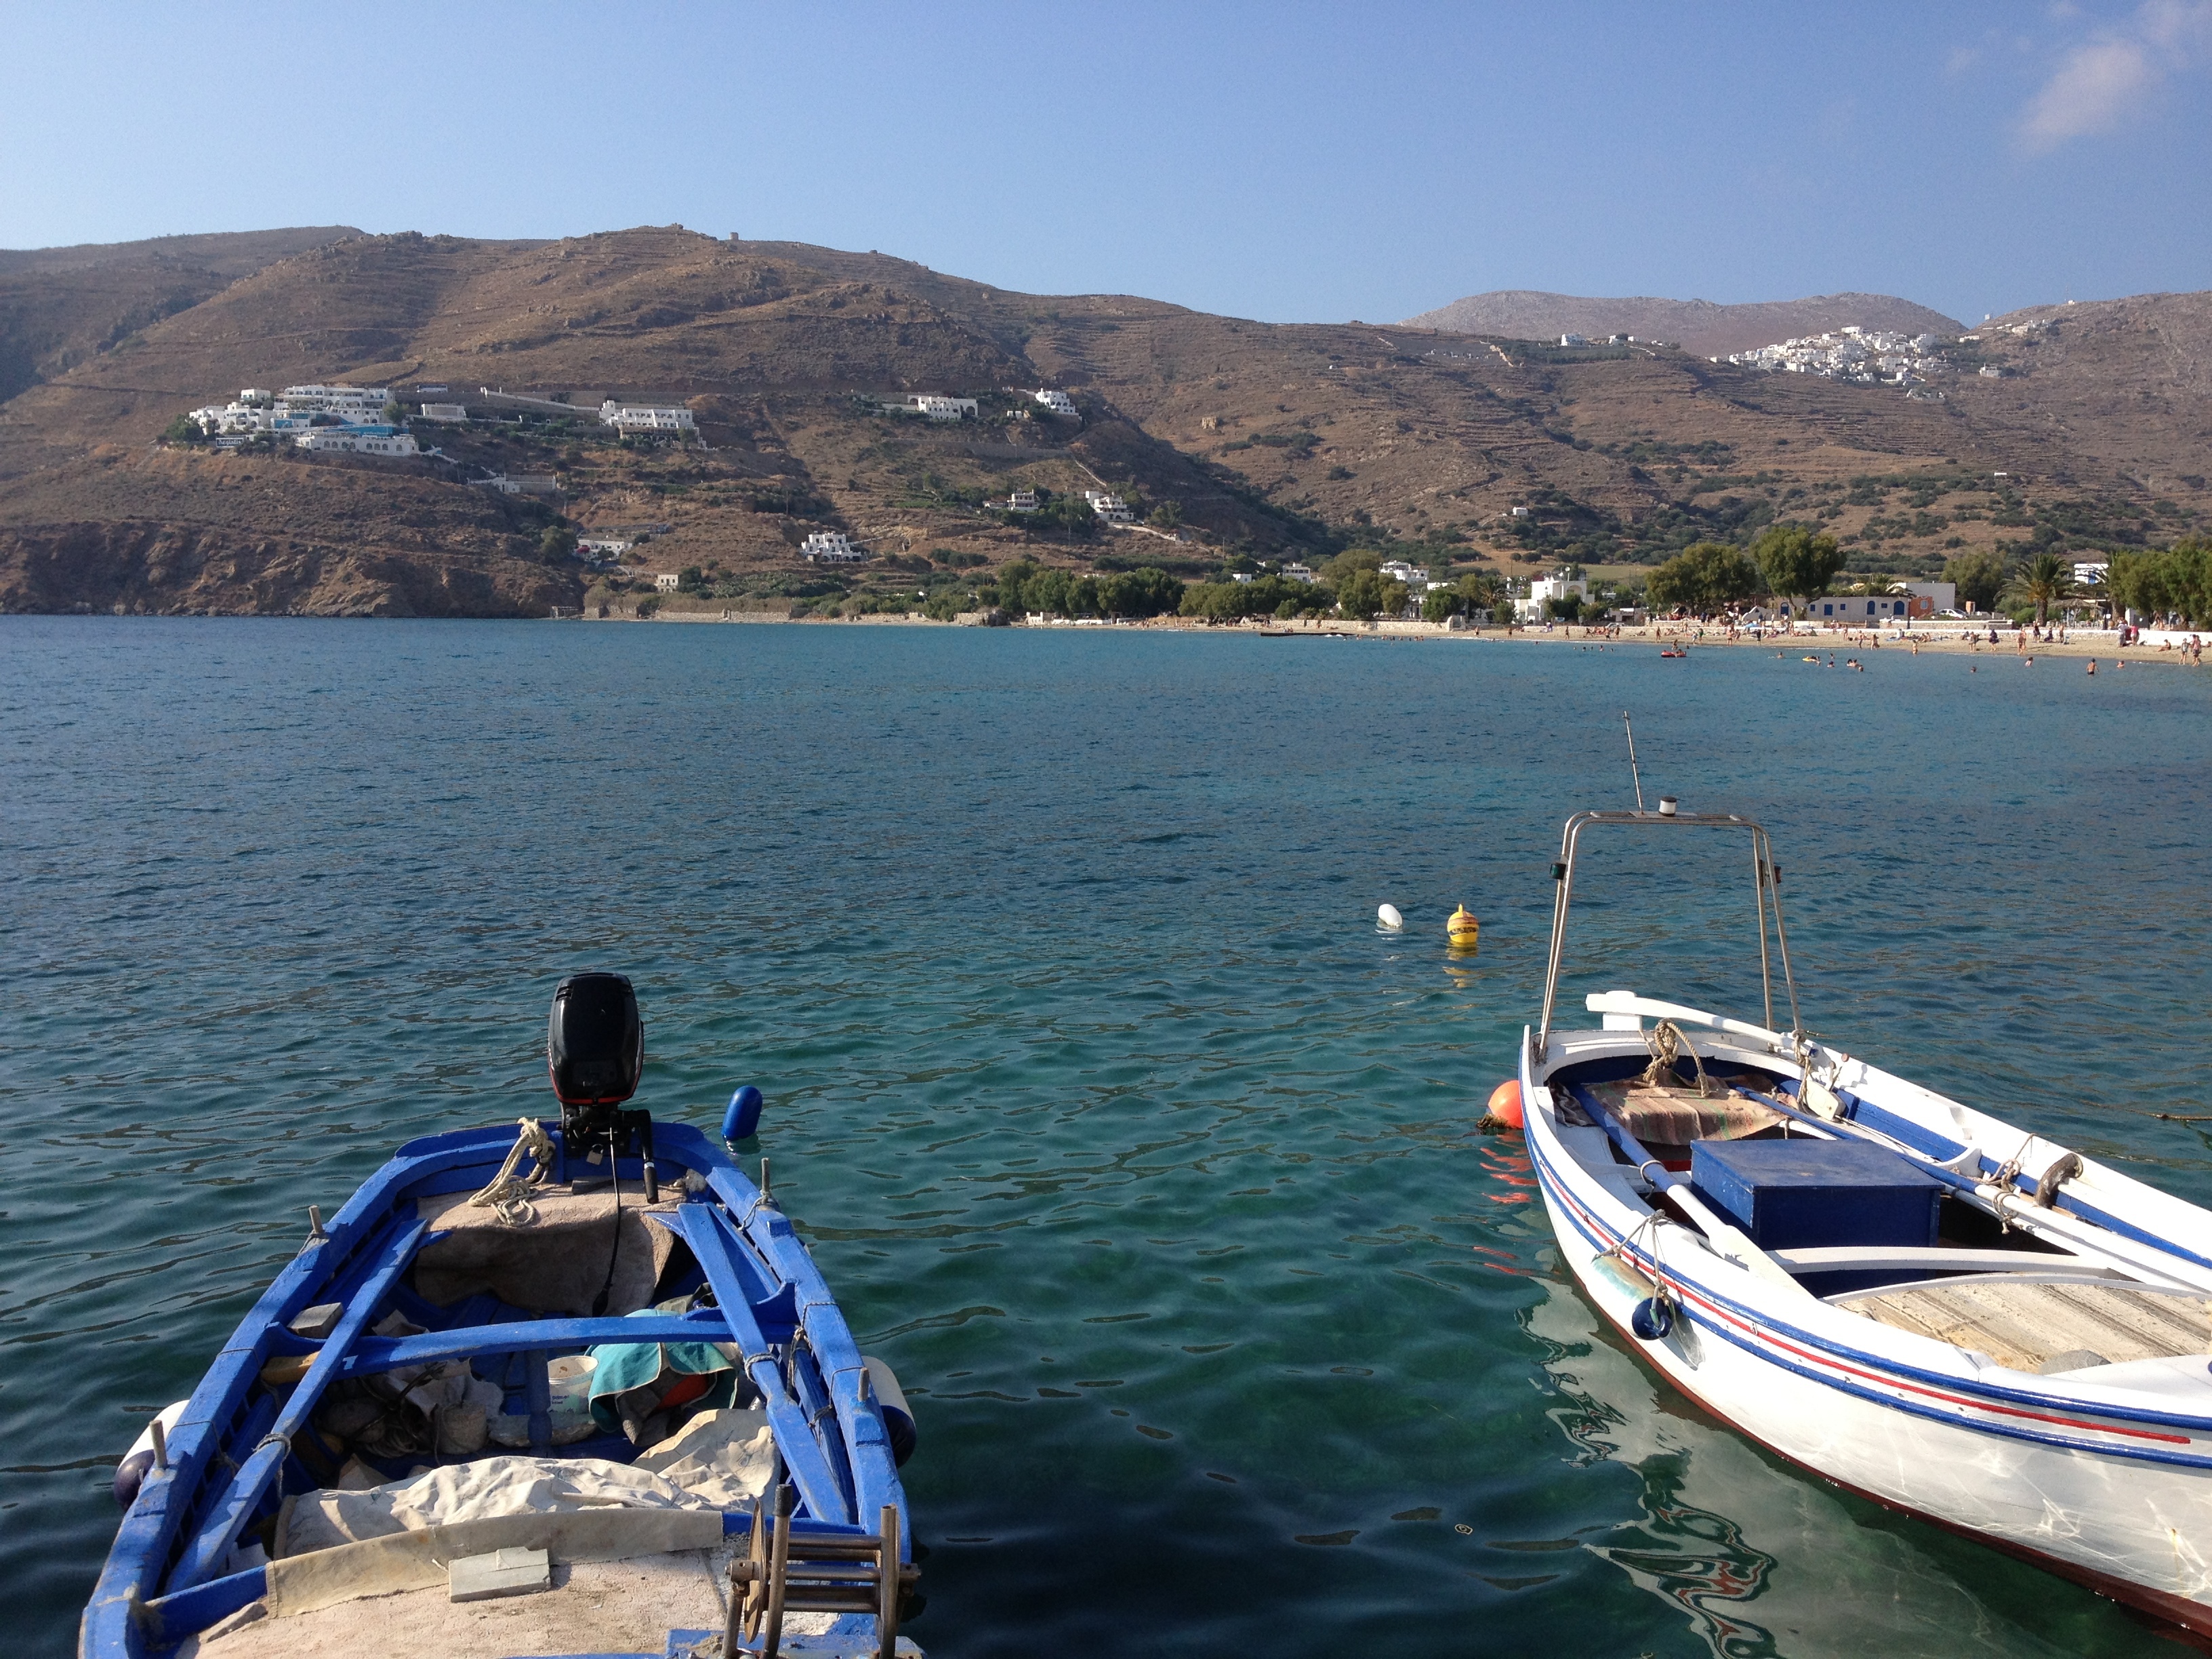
(571, 1377)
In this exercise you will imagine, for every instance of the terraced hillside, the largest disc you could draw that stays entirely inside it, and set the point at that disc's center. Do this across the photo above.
(1239, 438)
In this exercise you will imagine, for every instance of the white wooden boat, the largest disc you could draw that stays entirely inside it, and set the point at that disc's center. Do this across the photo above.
(1913, 1299)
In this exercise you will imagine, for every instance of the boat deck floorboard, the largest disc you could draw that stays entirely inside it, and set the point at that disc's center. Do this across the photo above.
(2026, 1324)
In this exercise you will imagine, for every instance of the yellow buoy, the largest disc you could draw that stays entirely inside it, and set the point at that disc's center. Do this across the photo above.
(1464, 932)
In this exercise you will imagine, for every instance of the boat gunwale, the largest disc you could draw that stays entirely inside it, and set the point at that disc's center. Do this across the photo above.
(1558, 1172)
(122, 1620)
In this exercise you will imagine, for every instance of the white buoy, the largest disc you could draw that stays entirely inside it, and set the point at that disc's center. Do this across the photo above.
(1387, 916)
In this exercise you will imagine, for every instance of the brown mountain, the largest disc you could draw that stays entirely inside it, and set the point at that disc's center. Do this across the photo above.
(1278, 440)
(59, 306)
(1698, 326)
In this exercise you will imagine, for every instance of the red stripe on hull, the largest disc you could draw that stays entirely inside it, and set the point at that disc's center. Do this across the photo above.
(2190, 1622)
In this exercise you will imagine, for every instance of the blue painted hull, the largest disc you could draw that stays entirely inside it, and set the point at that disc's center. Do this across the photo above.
(234, 1456)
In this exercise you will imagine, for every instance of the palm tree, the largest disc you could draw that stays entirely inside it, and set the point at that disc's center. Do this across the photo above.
(2045, 579)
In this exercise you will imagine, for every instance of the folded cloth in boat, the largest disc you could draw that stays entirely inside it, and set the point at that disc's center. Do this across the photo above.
(623, 1367)
(557, 1264)
(473, 1491)
(726, 1457)
(1675, 1117)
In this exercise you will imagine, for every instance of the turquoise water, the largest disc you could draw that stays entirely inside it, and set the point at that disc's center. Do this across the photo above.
(1144, 1159)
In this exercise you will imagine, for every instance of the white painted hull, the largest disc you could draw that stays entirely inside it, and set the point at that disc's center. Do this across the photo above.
(2107, 1482)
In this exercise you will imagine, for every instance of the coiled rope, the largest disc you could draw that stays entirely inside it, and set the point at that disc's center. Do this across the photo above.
(509, 1194)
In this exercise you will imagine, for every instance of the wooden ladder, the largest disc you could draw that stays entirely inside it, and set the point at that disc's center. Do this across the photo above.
(789, 1571)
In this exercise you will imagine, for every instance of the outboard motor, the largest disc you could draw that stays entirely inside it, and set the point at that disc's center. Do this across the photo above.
(595, 1055)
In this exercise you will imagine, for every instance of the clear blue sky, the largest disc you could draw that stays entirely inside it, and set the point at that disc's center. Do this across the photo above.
(1284, 161)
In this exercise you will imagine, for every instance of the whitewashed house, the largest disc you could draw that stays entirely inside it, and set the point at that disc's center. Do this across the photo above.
(356, 405)
(1022, 500)
(1057, 403)
(646, 418)
(942, 409)
(448, 412)
(1108, 506)
(831, 547)
(1546, 588)
(1299, 573)
(666, 581)
(357, 440)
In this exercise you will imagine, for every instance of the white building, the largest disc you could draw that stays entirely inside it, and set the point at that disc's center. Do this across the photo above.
(520, 483)
(1398, 571)
(831, 547)
(645, 417)
(1057, 403)
(1572, 340)
(667, 582)
(600, 548)
(942, 409)
(1022, 500)
(357, 440)
(1858, 612)
(1904, 601)
(1299, 573)
(218, 420)
(1544, 588)
(1108, 506)
(356, 405)
(445, 412)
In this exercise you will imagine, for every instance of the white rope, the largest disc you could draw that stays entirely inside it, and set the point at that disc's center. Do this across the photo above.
(509, 1194)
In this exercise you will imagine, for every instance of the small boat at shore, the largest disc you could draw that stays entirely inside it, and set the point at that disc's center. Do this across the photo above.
(580, 1391)
(1911, 1299)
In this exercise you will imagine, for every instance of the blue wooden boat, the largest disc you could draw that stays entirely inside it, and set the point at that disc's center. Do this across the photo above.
(589, 1375)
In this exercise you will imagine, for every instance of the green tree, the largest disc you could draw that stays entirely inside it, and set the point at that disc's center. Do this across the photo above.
(1167, 515)
(183, 430)
(691, 578)
(1147, 591)
(1348, 563)
(1980, 576)
(1705, 577)
(558, 542)
(1798, 563)
(2177, 577)
(2045, 578)
(1366, 594)
(1013, 586)
(1069, 514)
(1443, 604)
(1568, 607)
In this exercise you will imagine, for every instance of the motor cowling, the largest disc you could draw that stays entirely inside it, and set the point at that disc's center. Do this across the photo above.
(594, 1042)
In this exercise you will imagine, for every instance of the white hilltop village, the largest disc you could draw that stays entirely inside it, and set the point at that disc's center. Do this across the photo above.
(1869, 356)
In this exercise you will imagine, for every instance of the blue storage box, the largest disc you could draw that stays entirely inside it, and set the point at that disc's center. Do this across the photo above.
(1792, 1195)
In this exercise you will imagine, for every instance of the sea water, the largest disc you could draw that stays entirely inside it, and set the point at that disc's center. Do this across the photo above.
(1146, 1160)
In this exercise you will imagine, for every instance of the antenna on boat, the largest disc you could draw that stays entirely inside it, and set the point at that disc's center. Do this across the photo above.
(1633, 774)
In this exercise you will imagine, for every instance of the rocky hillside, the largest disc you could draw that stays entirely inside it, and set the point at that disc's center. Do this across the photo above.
(1239, 438)
(1698, 326)
(60, 307)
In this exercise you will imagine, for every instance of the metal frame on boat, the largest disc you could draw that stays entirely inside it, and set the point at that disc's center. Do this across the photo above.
(241, 1444)
(2035, 1377)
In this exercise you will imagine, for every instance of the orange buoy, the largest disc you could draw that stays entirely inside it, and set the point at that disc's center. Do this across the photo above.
(1504, 1107)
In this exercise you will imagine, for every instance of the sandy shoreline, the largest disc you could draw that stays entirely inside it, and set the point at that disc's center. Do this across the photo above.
(1842, 643)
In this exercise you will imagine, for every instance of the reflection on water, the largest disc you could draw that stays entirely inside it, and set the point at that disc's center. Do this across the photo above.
(1145, 1161)
(1759, 1560)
